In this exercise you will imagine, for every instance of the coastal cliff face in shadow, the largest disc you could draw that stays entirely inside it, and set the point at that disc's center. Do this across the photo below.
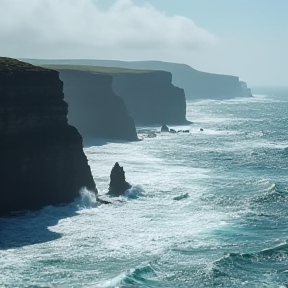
(42, 160)
(94, 109)
(196, 84)
(151, 98)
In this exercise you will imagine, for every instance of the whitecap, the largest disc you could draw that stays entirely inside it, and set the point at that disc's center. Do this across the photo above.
(134, 192)
(87, 199)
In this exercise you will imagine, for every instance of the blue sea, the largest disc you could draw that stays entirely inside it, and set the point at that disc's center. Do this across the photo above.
(207, 208)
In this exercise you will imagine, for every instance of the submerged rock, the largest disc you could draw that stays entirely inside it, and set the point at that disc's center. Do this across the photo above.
(118, 184)
(180, 197)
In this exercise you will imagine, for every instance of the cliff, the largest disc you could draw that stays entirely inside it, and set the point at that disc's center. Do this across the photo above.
(196, 84)
(94, 109)
(150, 97)
(41, 157)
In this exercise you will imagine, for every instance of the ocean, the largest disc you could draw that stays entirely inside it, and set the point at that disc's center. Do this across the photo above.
(207, 209)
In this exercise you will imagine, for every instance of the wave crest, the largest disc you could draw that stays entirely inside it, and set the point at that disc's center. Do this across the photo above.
(87, 199)
(134, 192)
(137, 277)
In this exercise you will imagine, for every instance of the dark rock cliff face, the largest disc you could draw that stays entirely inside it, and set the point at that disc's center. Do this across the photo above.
(41, 157)
(94, 109)
(151, 98)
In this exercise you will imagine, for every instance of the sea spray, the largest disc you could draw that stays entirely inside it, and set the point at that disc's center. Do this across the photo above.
(87, 199)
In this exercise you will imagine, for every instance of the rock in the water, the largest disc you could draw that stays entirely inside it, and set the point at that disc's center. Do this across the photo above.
(164, 128)
(118, 184)
(172, 131)
(201, 129)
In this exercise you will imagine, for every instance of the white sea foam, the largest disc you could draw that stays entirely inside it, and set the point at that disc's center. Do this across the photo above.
(87, 199)
(134, 192)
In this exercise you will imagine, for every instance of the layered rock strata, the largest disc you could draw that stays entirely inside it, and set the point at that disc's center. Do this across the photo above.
(94, 108)
(41, 157)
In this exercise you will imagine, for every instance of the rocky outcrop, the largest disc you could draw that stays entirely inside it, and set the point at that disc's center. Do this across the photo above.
(118, 184)
(151, 98)
(41, 157)
(164, 128)
(197, 84)
(94, 109)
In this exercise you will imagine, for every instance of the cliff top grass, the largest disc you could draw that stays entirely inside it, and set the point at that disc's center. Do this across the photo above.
(9, 65)
(97, 69)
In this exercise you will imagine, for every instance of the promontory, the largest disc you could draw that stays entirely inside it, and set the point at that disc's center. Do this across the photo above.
(41, 157)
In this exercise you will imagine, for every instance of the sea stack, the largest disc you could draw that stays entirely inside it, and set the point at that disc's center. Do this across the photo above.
(118, 184)
(41, 157)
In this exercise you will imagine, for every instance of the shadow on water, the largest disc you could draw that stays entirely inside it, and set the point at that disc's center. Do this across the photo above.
(33, 227)
(87, 143)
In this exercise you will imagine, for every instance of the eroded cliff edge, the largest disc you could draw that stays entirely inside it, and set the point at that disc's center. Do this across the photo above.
(94, 109)
(41, 157)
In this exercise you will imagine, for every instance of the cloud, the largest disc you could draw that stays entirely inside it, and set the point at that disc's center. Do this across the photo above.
(81, 28)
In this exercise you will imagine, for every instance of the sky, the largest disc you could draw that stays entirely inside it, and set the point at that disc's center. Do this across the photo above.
(246, 38)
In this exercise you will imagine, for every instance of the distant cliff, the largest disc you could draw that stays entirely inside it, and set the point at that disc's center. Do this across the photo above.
(196, 84)
(94, 109)
(41, 157)
(150, 97)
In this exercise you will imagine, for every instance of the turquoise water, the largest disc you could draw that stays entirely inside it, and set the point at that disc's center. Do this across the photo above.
(207, 209)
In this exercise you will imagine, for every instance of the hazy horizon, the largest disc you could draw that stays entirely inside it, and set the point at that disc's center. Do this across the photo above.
(242, 38)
